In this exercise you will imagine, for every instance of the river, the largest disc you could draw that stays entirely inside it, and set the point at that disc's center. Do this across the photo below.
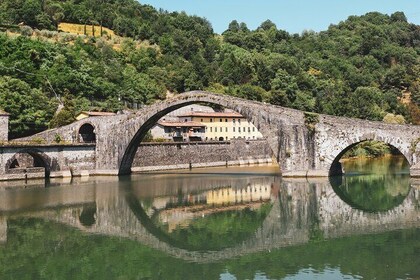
(215, 223)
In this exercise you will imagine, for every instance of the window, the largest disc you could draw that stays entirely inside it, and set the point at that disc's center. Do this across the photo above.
(234, 121)
(226, 129)
(211, 120)
(239, 129)
(253, 129)
(221, 120)
(226, 120)
(239, 121)
(233, 129)
(201, 120)
(215, 129)
(185, 120)
(211, 129)
(249, 129)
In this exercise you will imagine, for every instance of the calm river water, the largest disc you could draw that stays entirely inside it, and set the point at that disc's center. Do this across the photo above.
(218, 223)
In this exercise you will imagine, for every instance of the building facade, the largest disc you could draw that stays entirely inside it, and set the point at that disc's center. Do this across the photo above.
(179, 131)
(223, 126)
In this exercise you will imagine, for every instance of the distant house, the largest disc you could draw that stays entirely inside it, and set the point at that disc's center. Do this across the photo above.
(223, 126)
(87, 114)
(179, 131)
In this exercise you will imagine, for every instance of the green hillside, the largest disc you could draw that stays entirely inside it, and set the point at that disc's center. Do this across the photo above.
(359, 67)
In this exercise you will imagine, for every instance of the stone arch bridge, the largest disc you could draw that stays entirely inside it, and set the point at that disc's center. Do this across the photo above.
(304, 144)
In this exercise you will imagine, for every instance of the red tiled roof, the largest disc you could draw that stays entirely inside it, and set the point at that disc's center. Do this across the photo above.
(181, 124)
(212, 114)
(98, 114)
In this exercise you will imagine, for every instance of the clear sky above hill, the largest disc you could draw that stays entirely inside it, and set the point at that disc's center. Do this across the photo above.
(292, 16)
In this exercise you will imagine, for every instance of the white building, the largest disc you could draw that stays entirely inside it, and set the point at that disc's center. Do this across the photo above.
(179, 131)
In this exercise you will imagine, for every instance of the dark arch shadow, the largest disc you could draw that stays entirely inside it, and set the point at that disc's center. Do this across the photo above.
(130, 152)
(86, 133)
(40, 160)
(336, 168)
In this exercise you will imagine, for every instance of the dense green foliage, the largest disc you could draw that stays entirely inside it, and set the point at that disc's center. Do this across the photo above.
(356, 68)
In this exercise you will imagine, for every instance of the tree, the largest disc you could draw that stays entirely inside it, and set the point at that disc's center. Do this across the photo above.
(30, 109)
(285, 83)
(395, 119)
(140, 88)
(398, 16)
(267, 25)
(233, 26)
(367, 103)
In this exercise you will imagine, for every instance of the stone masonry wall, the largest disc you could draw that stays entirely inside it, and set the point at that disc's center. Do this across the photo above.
(205, 153)
(4, 128)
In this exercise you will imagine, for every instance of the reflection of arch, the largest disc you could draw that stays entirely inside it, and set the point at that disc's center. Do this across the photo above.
(336, 168)
(87, 133)
(338, 181)
(147, 222)
(40, 159)
(221, 139)
(88, 215)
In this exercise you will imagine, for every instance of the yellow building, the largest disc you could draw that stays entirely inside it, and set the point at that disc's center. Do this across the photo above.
(223, 126)
(86, 114)
(226, 196)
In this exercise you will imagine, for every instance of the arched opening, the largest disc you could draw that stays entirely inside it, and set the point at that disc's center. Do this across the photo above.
(188, 125)
(371, 176)
(29, 163)
(87, 133)
(367, 149)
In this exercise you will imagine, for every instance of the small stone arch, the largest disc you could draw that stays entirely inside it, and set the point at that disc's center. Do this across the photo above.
(335, 168)
(40, 159)
(86, 133)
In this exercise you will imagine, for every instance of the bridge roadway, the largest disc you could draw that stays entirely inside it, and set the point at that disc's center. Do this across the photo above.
(297, 211)
(305, 145)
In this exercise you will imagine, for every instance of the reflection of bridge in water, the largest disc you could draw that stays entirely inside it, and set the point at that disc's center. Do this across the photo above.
(298, 214)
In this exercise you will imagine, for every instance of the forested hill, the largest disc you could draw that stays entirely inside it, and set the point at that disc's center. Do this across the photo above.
(364, 67)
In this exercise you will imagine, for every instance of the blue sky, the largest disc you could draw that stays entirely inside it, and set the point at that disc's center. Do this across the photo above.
(293, 16)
